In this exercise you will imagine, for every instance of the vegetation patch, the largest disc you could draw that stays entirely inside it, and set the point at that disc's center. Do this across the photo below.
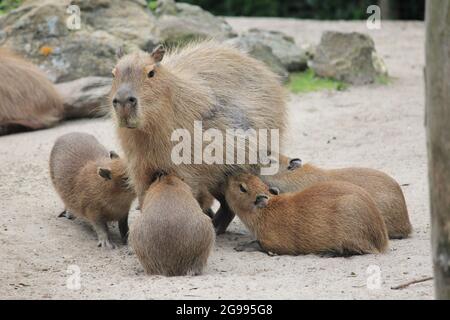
(301, 82)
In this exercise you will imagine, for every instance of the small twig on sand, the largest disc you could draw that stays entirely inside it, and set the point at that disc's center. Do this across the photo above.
(407, 284)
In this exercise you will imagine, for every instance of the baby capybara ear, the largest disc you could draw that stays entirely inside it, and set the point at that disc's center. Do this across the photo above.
(104, 173)
(158, 174)
(158, 53)
(274, 190)
(295, 163)
(113, 155)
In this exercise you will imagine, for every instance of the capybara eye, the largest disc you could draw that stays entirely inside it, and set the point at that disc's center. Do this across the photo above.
(151, 74)
(242, 188)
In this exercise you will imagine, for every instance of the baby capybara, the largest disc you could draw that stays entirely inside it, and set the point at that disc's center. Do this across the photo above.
(92, 183)
(29, 100)
(172, 236)
(332, 217)
(154, 94)
(385, 191)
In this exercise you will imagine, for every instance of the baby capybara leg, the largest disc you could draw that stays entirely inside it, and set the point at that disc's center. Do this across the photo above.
(101, 229)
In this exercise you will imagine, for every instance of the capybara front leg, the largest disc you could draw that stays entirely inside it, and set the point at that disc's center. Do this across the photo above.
(123, 228)
(251, 246)
(223, 217)
(101, 229)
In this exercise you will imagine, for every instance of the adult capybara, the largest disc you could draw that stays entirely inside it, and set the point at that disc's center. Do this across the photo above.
(171, 236)
(332, 217)
(92, 183)
(384, 190)
(154, 94)
(28, 99)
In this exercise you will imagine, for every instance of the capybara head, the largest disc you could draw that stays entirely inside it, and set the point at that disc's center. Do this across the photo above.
(163, 178)
(139, 85)
(115, 174)
(247, 192)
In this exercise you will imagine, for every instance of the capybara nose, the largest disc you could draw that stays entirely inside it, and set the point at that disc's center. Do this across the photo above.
(129, 101)
(261, 200)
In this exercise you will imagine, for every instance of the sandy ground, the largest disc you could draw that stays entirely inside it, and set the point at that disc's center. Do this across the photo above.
(375, 126)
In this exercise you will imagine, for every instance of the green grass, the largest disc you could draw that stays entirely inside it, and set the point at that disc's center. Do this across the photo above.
(301, 82)
(383, 79)
(152, 5)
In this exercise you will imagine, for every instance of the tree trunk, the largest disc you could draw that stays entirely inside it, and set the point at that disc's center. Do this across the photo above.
(386, 9)
(437, 83)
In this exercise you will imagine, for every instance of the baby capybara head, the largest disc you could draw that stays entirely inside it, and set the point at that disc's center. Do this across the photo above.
(139, 84)
(115, 174)
(163, 180)
(247, 192)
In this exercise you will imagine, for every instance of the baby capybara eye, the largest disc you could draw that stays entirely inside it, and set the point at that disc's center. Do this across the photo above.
(242, 188)
(151, 74)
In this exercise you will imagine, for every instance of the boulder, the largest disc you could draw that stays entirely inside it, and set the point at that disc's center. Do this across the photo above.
(348, 57)
(292, 56)
(179, 23)
(39, 31)
(85, 97)
(261, 52)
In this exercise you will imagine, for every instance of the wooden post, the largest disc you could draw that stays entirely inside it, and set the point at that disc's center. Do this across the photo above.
(437, 83)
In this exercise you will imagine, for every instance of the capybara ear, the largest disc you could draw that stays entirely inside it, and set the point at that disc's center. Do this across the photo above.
(158, 53)
(274, 190)
(113, 155)
(157, 175)
(120, 52)
(295, 163)
(104, 173)
(261, 201)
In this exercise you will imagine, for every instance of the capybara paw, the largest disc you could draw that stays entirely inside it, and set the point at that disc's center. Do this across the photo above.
(252, 246)
(105, 243)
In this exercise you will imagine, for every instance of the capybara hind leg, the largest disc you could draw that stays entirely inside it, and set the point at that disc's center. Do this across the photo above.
(123, 228)
(251, 246)
(223, 218)
(101, 229)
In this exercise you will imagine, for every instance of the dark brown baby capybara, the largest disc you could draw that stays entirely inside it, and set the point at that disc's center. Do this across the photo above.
(332, 217)
(172, 236)
(92, 183)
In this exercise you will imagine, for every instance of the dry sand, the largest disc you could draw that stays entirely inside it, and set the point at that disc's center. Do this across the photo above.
(375, 126)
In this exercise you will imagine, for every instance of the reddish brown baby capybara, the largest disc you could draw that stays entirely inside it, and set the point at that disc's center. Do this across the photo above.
(332, 217)
(385, 191)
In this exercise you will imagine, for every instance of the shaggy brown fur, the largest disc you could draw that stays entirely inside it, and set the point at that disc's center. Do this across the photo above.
(28, 99)
(384, 190)
(328, 217)
(208, 81)
(172, 236)
(92, 183)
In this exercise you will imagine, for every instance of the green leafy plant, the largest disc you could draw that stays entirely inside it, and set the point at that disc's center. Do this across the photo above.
(8, 5)
(301, 82)
(152, 5)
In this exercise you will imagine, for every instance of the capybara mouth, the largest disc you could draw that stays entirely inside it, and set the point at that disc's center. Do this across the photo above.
(128, 123)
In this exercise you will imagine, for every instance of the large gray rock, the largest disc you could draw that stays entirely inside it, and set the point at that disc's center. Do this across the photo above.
(38, 30)
(348, 57)
(262, 52)
(293, 57)
(85, 97)
(180, 23)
